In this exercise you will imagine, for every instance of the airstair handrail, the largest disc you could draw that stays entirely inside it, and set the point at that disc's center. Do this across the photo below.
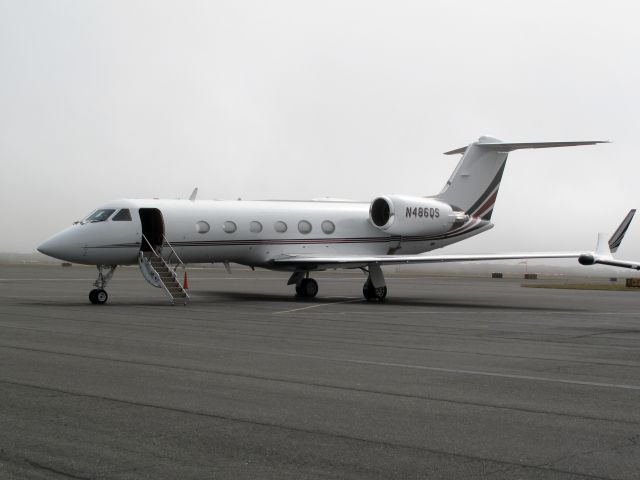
(173, 252)
(150, 246)
(166, 263)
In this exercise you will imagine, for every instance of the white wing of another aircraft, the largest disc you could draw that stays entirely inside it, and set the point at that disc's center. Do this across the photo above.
(604, 249)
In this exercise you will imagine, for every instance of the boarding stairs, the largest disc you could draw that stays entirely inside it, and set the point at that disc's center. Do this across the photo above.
(160, 266)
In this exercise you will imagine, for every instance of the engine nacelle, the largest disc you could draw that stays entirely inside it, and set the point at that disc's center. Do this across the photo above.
(586, 259)
(406, 216)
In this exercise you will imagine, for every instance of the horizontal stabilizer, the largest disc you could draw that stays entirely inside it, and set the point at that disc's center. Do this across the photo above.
(509, 147)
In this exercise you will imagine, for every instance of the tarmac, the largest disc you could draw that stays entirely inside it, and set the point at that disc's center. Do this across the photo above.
(450, 378)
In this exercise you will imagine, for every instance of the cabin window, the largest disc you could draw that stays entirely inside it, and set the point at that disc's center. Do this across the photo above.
(123, 215)
(328, 227)
(255, 227)
(202, 227)
(280, 226)
(304, 227)
(229, 226)
(100, 215)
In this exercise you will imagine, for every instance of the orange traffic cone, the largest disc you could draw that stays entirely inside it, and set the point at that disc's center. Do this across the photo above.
(185, 284)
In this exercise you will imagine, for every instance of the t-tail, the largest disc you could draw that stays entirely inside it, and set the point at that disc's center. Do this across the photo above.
(473, 186)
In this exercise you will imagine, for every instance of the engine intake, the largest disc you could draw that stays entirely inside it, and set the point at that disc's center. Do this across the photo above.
(406, 216)
(380, 212)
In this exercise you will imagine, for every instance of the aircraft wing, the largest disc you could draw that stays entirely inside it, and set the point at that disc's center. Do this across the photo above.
(614, 262)
(357, 261)
(604, 249)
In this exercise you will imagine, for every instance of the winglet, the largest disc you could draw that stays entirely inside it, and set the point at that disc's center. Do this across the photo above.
(618, 235)
(193, 195)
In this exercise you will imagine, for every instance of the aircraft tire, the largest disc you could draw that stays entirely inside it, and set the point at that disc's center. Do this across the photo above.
(308, 288)
(101, 297)
(92, 296)
(373, 294)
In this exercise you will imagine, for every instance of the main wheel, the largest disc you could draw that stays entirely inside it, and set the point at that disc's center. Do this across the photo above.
(373, 294)
(307, 288)
(98, 297)
(92, 296)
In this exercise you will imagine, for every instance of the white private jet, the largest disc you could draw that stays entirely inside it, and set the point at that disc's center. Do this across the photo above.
(296, 236)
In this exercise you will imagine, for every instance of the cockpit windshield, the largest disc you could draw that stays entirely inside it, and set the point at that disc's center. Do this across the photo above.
(99, 215)
(123, 215)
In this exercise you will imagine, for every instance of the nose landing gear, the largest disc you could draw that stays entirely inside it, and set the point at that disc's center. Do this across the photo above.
(98, 296)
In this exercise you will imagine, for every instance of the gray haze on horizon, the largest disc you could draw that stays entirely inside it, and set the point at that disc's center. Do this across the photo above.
(351, 99)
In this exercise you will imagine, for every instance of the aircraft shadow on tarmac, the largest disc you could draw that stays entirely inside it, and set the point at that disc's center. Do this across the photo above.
(204, 297)
(390, 301)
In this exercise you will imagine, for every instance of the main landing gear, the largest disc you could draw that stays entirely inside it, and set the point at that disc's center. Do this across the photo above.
(374, 289)
(305, 287)
(373, 294)
(98, 295)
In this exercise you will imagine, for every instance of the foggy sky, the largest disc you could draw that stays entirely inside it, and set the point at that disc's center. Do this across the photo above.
(352, 99)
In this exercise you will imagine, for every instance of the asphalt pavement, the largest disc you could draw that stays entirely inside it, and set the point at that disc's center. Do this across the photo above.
(450, 378)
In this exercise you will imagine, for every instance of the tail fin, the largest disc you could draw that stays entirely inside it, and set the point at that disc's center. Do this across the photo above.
(602, 246)
(473, 186)
(616, 238)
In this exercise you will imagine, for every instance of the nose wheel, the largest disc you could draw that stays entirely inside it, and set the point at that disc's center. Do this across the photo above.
(98, 296)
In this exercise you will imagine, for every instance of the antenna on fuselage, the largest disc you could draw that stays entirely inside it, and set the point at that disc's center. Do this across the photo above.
(194, 194)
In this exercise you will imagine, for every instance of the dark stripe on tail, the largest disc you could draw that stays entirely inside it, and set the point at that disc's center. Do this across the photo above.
(487, 193)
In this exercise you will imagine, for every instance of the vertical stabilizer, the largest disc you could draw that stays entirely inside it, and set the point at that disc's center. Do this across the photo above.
(602, 247)
(473, 186)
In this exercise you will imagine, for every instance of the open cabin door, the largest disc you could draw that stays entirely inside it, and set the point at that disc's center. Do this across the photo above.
(152, 228)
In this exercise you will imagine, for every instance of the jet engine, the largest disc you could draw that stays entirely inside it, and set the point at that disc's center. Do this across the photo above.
(406, 215)
(586, 259)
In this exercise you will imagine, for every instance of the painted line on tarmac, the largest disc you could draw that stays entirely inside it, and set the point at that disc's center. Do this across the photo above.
(426, 311)
(514, 376)
(353, 299)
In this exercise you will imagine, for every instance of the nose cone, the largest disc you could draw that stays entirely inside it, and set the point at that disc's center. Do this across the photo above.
(63, 246)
